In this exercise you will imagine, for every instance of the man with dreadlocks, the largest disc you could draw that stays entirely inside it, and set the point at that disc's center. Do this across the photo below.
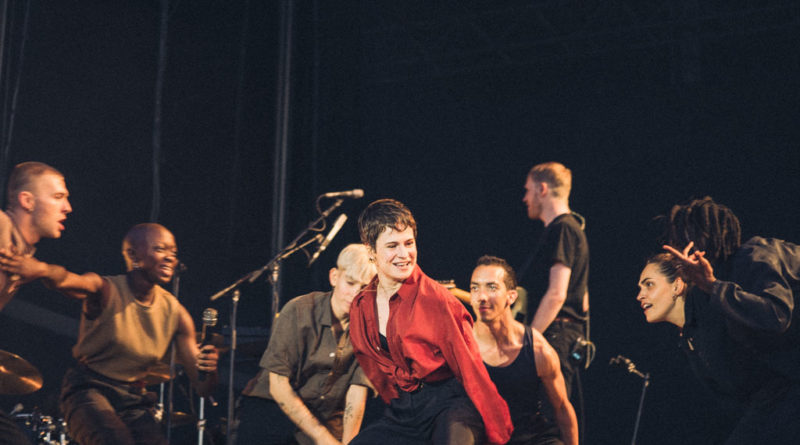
(742, 333)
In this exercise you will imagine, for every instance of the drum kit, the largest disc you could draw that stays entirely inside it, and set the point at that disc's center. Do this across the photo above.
(19, 377)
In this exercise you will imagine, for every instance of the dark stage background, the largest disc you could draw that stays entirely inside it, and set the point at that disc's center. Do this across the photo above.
(444, 107)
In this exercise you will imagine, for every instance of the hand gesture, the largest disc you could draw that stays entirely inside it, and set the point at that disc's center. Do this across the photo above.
(694, 267)
(26, 268)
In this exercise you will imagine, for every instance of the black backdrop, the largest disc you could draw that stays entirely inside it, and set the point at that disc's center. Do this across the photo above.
(444, 107)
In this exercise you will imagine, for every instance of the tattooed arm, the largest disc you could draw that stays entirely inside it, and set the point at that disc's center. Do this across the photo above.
(354, 403)
(297, 411)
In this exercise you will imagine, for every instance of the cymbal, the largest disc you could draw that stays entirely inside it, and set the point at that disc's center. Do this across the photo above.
(158, 373)
(17, 376)
(181, 419)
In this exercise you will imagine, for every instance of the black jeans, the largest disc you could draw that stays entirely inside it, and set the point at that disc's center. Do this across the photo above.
(438, 413)
(562, 336)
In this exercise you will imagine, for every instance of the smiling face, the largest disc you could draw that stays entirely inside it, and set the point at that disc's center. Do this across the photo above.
(151, 249)
(489, 296)
(50, 205)
(395, 254)
(660, 299)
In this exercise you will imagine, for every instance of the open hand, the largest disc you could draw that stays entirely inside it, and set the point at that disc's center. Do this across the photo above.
(694, 267)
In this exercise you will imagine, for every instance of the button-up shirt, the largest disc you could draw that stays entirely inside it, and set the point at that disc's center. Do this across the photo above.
(304, 347)
(429, 334)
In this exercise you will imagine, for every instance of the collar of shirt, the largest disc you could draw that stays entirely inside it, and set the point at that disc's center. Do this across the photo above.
(323, 311)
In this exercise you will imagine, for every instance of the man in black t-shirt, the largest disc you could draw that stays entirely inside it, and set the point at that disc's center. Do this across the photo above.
(557, 271)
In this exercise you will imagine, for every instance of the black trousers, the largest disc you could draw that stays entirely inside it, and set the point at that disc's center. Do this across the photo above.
(562, 336)
(438, 413)
(262, 422)
(100, 411)
(771, 416)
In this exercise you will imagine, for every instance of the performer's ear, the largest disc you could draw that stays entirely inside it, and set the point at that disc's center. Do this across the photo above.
(512, 297)
(27, 200)
(333, 276)
(679, 287)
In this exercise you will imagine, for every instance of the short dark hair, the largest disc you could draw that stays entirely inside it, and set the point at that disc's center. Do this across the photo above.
(667, 265)
(22, 177)
(713, 228)
(383, 214)
(510, 279)
(137, 237)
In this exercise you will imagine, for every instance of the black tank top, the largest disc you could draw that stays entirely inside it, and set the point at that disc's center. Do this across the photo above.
(518, 383)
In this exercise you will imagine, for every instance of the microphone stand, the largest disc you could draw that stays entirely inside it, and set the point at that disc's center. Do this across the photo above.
(274, 265)
(645, 384)
(631, 368)
(176, 287)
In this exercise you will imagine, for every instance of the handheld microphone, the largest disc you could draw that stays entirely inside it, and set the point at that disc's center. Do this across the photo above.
(210, 316)
(355, 194)
(328, 238)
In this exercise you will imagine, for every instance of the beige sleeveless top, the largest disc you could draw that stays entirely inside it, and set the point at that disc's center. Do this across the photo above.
(127, 337)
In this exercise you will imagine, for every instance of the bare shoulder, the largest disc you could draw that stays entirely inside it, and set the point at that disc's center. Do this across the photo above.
(546, 357)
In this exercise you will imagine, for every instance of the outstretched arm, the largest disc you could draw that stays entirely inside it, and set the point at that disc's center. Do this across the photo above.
(281, 390)
(54, 276)
(761, 297)
(549, 370)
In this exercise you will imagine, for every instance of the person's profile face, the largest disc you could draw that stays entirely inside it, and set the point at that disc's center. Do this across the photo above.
(51, 205)
(395, 254)
(345, 288)
(531, 199)
(489, 296)
(657, 296)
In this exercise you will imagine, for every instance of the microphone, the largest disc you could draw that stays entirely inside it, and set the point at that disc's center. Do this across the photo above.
(628, 364)
(210, 316)
(620, 360)
(355, 194)
(334, 230)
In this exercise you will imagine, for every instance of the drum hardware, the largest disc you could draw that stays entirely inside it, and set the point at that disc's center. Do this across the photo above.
(43, 430)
